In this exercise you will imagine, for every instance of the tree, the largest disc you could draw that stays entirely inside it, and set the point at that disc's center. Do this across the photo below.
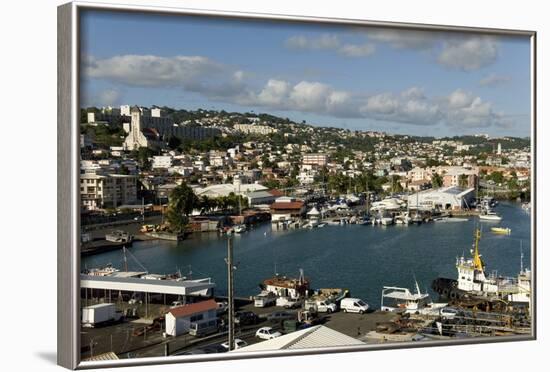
(396, 184)
(437, 180)
(182, 202)
(463, 180)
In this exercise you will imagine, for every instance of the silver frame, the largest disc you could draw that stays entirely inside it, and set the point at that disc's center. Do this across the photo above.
(68, 195)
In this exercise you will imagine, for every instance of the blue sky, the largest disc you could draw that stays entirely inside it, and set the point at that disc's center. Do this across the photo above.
(399, 81)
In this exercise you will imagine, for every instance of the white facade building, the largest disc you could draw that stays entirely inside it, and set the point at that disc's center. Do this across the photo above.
(163, 161)
(445, 198)
(180, 319)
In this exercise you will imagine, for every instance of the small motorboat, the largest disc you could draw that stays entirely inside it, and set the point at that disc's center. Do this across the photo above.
(501, 230)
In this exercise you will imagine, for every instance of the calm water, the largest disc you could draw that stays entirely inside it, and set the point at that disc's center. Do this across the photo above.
(360, 258)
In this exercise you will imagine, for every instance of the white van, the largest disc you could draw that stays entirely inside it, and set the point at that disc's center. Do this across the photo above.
(354, 305)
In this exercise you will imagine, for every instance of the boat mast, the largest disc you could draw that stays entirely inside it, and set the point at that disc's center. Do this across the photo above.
(521, 256)
(478, 264)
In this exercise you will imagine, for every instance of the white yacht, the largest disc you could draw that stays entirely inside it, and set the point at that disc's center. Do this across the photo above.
(489, 215)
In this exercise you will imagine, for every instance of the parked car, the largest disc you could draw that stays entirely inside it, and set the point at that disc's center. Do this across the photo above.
(354, 305)
(238, 344)
(267, 333)
(246, 318)
(289, 303)
(321, 306)
(279, 316)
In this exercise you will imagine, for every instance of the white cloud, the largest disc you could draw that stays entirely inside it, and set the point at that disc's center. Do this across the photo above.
(326, 41)
(222, 83)
(493, 79)
(329, 42)
(464, 109)
(468, 54)
(409, 107)
(149, 70)
(404, 39)
(354, 50)
(460, 99)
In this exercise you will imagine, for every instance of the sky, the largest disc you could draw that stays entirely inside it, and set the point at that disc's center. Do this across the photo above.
(360, 78)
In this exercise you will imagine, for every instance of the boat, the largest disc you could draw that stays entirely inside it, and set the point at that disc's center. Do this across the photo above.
(473, 282)
(490, 215)
(119, 236)
(386, 221)
(403, 219)
(501, 230)
(450, 219)
(398, 299)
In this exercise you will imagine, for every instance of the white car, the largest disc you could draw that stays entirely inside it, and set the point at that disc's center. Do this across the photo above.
(238, 344)
(267, 333)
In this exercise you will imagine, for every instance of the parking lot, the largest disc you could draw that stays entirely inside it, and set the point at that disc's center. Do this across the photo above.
(131, 339)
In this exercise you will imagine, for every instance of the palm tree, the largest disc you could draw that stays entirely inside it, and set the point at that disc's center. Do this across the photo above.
(182, 202)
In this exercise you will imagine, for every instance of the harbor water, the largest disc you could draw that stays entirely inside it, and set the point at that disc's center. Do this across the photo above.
(360, 258)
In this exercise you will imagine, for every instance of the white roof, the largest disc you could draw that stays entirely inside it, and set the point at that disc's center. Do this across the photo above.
(313, 337)
(225, 189)
(184, 287)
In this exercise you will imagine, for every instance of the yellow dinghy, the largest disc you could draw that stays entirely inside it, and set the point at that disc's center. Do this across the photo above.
(501, 230)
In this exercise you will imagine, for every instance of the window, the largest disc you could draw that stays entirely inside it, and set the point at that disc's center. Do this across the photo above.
(197, 317)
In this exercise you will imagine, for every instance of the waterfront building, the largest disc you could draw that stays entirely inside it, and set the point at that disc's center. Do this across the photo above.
(180, 319)
(261, 197)
(445, 198)
(286, 208)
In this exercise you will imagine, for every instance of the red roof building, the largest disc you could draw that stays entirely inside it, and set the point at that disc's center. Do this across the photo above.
(198, 307)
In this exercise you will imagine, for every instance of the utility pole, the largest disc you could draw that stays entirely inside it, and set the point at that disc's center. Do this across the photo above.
(230, 294)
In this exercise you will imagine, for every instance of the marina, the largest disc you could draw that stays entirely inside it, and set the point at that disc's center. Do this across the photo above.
(361, 258)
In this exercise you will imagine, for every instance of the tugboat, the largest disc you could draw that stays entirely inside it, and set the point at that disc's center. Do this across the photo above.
(473, 283)
(471, 277)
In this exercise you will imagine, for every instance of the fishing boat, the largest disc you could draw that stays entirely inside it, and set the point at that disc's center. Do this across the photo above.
(398, 299)
(501, 230)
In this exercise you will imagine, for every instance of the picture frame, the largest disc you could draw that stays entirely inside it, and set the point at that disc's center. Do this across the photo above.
(68, 254)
